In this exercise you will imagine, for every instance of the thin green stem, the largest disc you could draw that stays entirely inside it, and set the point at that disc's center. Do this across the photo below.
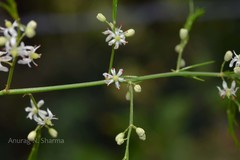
(102, 82)
(114, 19)
(111, 60)
(10, 75)
(51, 88)
(114, 13)
(126, 155)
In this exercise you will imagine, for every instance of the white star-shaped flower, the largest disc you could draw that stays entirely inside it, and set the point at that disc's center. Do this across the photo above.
(47, 120)
(228, 91)
(34, 111)
(110, 78)
(28, 54)
(116, 37)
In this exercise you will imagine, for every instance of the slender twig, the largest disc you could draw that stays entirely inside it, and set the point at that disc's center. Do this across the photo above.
(126, 155)
(101, 82)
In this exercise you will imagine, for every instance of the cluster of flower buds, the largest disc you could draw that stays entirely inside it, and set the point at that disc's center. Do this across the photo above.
(120, 138)
(116, 36)
(13, 45)
(42, 117)
(137, 88)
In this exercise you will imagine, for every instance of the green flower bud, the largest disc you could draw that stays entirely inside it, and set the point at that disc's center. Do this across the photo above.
(30, 32)
(101, 17)
(30, 29)
(129, 32)
(8, 24)
(183, 63)
(32, 135)
(53, 132)
(2, 40)
(228, 56)
(178, 48)
(183, 33)
(127, 96)
(14, 52)
(237, 70)
(32, 24)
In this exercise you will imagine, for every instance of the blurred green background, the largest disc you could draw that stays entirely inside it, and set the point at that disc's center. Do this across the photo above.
(184, 119)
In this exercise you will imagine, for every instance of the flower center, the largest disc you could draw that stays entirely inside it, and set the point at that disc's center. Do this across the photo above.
(228, 92)
(117, 38)
(115, 78)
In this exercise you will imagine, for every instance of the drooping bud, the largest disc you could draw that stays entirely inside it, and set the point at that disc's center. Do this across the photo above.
(183, 33)
(32, 135)
(120, 138)
(178, 48)
(183, 63)
(30, 29)
(53, 132)
(137, 88)
(228, 56)
(101, 17)
(127, 96)
(141, 133)
(236, 70)
(129, 32)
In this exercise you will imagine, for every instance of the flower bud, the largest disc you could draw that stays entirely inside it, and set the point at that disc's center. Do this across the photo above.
(30, 32)
(183, 33)
(178, 48)
(3, 40)
(120, 138)
(129, 32)
(32, 135)
(32, 24)
(30, 29)
(101, 17)
(53, 132)
(183, 63)
(14, 52)
(228, 56)
(8, 24)
(140, 132)
(137, 88)
(127, 96)
(237, 70)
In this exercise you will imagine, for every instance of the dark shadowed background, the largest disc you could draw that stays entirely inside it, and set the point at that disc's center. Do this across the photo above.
(184, 119)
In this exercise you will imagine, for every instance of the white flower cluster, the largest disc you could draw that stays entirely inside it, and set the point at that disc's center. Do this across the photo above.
(42, 117)
(116, 36)
(13, 45)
